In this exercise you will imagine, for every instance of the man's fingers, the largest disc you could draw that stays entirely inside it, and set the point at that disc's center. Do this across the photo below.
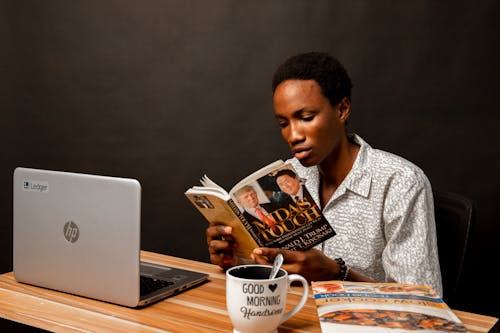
(218, 232)
(260, 260)
(217, 246)
(221, 245)
(265, 256)
(223, 260)
(292, 260)
(271, 253)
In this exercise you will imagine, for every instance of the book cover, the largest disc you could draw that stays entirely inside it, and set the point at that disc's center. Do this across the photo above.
(345, 307)
(269, 208)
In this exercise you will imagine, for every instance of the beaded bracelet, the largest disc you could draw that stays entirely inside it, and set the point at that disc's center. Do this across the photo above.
(344, 270)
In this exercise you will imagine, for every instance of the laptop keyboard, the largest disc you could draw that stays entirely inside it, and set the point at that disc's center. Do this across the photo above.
(149, 285)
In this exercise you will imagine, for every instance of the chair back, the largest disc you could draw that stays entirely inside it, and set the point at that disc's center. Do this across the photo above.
(455, 215)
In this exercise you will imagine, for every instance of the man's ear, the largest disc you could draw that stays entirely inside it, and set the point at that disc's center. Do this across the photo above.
(344, 109)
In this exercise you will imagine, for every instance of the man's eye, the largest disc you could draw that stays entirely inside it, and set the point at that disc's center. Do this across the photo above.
(282, 124)
(308, 117)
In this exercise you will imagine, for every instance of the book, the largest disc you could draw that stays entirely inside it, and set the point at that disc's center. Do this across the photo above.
(345, 307)
(293, 222)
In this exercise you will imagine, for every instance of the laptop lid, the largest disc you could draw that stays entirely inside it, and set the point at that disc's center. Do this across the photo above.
(80, 234)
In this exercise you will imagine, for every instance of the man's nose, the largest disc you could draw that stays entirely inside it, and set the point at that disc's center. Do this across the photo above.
(295, 134)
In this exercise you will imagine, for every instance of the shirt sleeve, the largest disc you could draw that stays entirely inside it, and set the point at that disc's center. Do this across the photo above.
(411, 255)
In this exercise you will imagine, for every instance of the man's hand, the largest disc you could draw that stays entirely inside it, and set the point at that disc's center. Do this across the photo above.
(221, 246)
(311, 264)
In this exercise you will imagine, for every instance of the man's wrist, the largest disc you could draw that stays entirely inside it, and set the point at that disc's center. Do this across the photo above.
(343, 269)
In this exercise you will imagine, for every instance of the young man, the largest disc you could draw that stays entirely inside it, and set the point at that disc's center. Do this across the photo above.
(379, 204)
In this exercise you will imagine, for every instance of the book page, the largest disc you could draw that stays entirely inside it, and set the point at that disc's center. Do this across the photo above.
(202, 190)
(207, 182)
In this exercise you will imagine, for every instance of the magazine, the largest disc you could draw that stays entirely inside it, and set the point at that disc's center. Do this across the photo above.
(348, 307)
(269, 208)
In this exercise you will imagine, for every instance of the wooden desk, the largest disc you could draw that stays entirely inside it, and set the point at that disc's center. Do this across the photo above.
(202, 309)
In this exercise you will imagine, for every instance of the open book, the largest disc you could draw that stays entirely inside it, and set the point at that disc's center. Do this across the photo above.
(269, 208)
(382, 307)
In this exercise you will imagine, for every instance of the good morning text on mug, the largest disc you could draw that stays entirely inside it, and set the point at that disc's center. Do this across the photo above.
(256, 304)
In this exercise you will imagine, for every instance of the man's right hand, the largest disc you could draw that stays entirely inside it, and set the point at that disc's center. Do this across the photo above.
(221, 246)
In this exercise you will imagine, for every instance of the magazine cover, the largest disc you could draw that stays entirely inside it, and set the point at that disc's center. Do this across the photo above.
(357, 307)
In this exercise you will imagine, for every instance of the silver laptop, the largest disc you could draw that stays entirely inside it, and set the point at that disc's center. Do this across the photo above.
(80, 234)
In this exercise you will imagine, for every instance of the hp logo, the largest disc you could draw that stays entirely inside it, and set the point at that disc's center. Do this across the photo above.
(71, 231)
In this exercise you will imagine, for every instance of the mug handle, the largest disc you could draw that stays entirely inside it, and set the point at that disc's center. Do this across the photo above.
(303, 300)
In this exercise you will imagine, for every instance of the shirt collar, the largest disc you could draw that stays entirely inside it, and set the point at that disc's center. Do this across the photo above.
(359, 179)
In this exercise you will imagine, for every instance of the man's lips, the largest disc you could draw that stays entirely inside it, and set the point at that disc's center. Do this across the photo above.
(301, 153)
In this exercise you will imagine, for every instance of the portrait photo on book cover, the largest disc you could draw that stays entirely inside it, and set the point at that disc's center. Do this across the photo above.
(276, 204)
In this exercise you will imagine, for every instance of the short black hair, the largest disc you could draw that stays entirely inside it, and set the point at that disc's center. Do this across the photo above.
(287, 172)
(321, 67)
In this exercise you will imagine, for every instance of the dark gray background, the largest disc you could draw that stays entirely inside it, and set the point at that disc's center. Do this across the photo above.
(165, 91)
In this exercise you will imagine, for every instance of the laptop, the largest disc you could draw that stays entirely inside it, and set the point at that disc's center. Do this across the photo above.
(80, 234)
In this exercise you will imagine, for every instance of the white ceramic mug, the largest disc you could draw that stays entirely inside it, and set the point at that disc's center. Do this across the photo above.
(256, 304)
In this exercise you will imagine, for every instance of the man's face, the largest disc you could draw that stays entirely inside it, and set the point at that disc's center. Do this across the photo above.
(288, 184)
(248, 199)
(311, 126)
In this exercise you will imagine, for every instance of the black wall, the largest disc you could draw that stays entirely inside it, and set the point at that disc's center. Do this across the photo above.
(165, 91)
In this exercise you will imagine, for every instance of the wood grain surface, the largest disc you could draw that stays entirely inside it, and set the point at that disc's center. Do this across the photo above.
(200, 309)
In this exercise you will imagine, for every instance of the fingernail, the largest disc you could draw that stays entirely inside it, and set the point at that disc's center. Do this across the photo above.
(257, 251)
(228, 230)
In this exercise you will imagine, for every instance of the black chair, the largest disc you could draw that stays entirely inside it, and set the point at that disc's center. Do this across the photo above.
(455, 216)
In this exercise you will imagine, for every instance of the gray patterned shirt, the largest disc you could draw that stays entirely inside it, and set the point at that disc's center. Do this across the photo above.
(383, 214)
